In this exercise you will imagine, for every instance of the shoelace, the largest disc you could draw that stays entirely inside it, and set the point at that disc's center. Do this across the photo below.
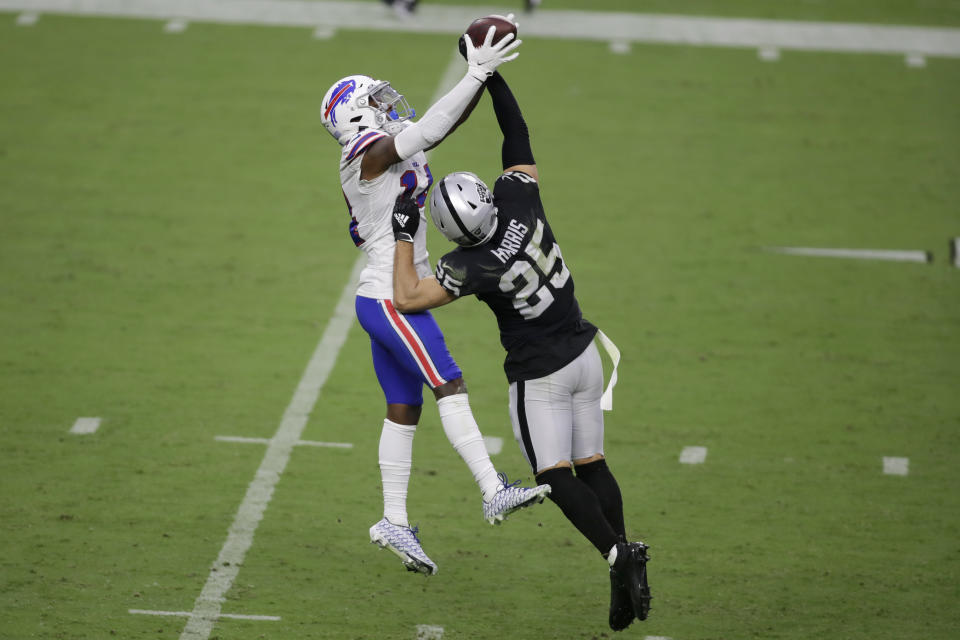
(506, 484)
(414, 531)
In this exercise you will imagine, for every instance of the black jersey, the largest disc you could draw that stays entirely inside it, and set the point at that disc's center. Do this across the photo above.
(521, 276)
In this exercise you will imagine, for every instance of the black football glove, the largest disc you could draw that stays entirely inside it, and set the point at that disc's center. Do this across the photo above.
(406, 218)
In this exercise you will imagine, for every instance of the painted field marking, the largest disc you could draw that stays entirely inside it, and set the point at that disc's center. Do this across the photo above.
(768, 54)
(702, 31)
(693, 455)
(955, 252)
(493, 444)
(223, 572)
(85, 426)
(187, 614)
(176, 26)
(915, 60)
(658, 638)
(331, 445)
(298, 443)
(896, 466)
(857, 254)
(324, 32)
(619, 47)
(429, 632)
(27, 19)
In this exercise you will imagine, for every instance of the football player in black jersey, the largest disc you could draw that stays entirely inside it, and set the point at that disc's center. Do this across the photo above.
(508, 258)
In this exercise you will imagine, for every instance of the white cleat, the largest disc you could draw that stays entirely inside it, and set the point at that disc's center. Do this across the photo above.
(404, 543)
(511, 497)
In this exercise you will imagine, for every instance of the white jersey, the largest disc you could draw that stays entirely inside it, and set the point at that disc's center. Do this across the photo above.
(370, 203)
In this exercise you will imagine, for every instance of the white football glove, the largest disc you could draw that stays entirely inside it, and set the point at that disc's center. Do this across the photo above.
(485, 59)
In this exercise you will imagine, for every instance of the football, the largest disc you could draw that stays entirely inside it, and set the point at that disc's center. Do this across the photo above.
(479, 27)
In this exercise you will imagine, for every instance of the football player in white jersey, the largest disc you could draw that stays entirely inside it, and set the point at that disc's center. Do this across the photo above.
(508, 257)
(382, 157)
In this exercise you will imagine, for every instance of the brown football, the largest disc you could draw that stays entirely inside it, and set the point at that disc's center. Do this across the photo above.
(479, 27)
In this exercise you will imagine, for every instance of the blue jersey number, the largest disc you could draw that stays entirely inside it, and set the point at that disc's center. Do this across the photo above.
(409, 183)
(354, 234)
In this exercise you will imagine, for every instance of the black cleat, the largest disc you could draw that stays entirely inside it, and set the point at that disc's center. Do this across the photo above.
(621, 608)
(630, 568)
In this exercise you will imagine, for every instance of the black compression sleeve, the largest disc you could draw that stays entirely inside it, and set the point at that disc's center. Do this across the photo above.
(598, 477)
(516, 138)
(580, 505)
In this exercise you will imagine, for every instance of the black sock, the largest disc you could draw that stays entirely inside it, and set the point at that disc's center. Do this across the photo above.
(581, 507)
(598, 477)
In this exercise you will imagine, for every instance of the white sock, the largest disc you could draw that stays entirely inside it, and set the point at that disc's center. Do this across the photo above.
(396, 459)
(464, 435)
(612, 556)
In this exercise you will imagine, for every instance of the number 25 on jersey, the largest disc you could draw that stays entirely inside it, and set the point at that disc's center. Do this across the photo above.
(533, 277)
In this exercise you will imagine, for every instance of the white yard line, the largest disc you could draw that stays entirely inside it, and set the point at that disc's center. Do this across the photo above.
(331, 445)
(299, 443)
(85, 426)
(857, 254)
(187, 614)
(451, 76)
(206, 609)
(586, 25)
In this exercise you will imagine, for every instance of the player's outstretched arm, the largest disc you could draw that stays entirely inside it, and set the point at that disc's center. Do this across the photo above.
(516, 153)
(447, 112)
(410, 293)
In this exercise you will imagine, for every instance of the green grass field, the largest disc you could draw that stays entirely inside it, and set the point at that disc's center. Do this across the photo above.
(173, 242)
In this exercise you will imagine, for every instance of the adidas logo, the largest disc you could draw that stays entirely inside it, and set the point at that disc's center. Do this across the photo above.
(401, 218)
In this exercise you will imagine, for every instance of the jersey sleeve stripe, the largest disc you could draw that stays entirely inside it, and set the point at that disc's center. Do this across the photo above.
(364, 142)
(413, 344)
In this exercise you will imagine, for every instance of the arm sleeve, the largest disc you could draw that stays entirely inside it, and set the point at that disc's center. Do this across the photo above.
(438, 120)
(516, 137)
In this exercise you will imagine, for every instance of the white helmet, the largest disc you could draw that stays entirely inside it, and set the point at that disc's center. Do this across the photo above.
(356, 103)
(462, 209)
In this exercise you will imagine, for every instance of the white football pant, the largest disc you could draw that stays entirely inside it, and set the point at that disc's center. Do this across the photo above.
(558, 417)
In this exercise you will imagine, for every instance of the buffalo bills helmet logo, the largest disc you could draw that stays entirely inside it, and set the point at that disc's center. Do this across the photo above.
(341, 93)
